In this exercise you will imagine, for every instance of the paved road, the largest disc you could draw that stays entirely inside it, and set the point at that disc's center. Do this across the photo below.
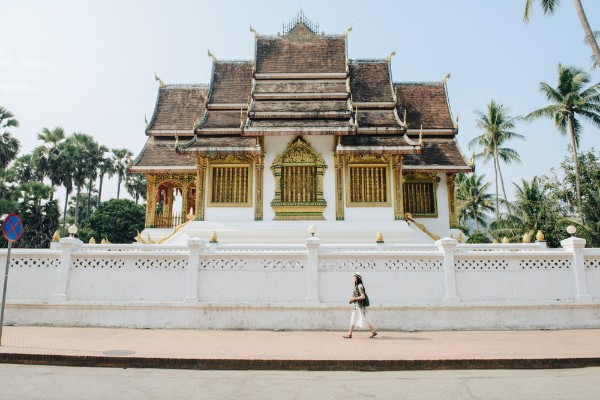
(64, 383)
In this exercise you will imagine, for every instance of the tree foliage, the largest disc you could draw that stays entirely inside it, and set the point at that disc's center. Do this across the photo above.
(118, 220)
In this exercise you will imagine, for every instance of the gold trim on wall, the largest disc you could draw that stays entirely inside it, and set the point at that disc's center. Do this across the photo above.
(339, 187)
(398, 188)
(451, 186)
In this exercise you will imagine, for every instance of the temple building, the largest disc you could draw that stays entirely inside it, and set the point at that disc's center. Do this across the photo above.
(301, 132)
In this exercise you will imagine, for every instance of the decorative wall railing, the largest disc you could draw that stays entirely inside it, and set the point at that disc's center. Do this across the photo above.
(446, 273)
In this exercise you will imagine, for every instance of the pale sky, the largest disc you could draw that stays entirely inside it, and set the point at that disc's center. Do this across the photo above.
(89, 65)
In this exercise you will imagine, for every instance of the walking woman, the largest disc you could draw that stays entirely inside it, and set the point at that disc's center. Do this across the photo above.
(359, 315)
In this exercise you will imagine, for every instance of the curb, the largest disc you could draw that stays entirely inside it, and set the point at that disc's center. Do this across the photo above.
(295, 365)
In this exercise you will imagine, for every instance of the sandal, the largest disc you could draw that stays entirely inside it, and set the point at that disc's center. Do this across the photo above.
(347, 336)
(373, 335)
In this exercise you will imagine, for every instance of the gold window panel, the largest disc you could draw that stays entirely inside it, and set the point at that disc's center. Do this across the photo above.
(230, 185)
(367, 185)
(299, 184)
(420, 198)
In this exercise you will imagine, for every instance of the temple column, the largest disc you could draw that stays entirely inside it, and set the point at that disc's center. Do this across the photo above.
(398, 189)
(258, 200)
(184, 201)
(450, 184)
(339, 187)
(200, 173)
(150, 200)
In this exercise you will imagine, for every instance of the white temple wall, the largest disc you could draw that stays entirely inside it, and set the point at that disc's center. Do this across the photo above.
(241, 214)
(443, 286)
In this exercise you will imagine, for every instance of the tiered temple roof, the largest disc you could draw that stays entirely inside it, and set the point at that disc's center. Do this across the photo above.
(301, 82)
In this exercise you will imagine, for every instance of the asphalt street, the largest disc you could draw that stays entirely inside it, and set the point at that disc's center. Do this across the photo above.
(64, 383)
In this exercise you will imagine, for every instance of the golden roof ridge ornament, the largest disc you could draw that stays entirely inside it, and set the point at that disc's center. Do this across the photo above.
(176, 140)
(146, 120)
(456, 123)
(212, 56)
(347, 31)
(392, 54)
(160, 81)
(405, 117)
(446, 78)
(356, 117)
(421, 136)
(473, 159)
(253, 31)
(241, 117)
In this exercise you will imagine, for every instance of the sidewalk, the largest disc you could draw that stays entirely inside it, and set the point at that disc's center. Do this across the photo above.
(170, 348)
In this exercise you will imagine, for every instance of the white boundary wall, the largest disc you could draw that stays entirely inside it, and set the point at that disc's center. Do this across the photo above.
(213, 286)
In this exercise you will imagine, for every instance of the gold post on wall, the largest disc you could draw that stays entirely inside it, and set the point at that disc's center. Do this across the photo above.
(200, 173)
(450, 184)
(398, 187)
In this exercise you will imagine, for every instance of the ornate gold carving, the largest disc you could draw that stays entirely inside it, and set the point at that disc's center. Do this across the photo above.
(398, 191)
(231, 159)
(368, 158)
(258, 201)
(298, 173)
(450, 185)
(367, 185)
(200, 184)
(420, 193)
(230, 185)
(392, 54)
(339, 187)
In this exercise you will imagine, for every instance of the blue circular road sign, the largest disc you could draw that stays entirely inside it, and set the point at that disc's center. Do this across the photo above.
(12, 228)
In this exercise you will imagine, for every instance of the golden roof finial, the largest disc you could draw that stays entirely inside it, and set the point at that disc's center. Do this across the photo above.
(405, 117)
(473, 159)
(456, 123)
(213, 237)
(160, 82)
(253, 31)
(176, 140)
(241, 117)
(421, 136)
(347, 31)
(146, 120)
(56, 236)
(392, 54)
(526, 237)
(539, 236)
(446, 78)
(356, 117)
(212, 56)
(379, 238)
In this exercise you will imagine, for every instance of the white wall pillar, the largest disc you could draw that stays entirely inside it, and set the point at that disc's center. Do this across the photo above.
(575, 246)
(448, 247)
(312, 270)
(196, 246)
(68, 245)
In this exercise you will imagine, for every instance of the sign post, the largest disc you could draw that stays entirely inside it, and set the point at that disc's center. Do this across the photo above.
(12, 229)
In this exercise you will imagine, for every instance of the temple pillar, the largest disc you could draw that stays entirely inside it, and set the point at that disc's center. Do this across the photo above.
(184, 201)
(398, 189)
(258, 200)
(150, 200)
(339, 187)
(450, 184)
(200, 174)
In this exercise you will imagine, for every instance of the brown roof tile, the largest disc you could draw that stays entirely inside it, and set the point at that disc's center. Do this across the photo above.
(232, 81)
(438, 152)
(300, 105)
(370, 81)
(221, 119)
(376, 118)
(301, 54)
(425, 103)
(161, 153)
(178, 106)
(301, 86)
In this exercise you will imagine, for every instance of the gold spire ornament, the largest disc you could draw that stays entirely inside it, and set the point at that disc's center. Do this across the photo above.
(526, 237)
(92, 240)
(456, 123)
(213, 237)
(176, 140)
(505, 240)
(146, 120)
(421, 136)
(379, 238)
(253, 31)
(539, 236)
(473, 159)
(347, 31)
(446, 78)
(56, 236)
(392, 54)
(160, 82)
(212, 56)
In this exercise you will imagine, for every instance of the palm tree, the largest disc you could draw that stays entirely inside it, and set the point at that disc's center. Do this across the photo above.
(136, 186)
(82, 150)
(496, 125)
(9, 145)
(549, 5)
(473, 199)
(569, 100)
(105, 167)
(46, 157)
(122, 160)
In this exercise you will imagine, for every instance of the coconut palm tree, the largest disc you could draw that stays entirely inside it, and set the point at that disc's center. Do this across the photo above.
(568, 101)
(9, 145)
(46, 156)
(82, 150)
(473, 199)
(550, 5)
(136, 186)
(496, 125)
(105, 167)
(122, 160)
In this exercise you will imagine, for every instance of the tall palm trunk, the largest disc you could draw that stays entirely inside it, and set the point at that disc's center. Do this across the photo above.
(589, 35)
(503, 189)
(475, 218)
(100, 188)
(77, 204)
(65, 210)
(119, 187)
(89, 195)
(576, 165)
(496, 177)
